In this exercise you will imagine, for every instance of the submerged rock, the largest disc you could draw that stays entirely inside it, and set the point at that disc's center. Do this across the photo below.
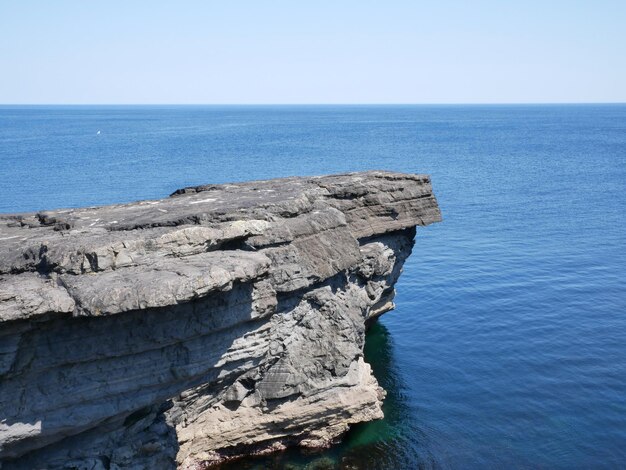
(222, 321)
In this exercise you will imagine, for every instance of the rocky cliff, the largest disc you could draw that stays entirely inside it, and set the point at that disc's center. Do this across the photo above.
(221, 321)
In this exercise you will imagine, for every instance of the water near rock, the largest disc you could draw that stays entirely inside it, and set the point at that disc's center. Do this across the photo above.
(222, 321)
(506, 347)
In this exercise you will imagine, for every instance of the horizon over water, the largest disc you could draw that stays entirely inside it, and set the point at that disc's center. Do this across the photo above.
(507, 348)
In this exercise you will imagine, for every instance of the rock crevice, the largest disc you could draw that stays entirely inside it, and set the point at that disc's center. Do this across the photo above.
(223, 320)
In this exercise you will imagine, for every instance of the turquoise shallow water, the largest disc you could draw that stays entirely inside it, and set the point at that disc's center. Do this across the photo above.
(508, 345)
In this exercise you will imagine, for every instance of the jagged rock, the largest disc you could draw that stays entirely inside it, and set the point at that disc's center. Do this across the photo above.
(221, 321)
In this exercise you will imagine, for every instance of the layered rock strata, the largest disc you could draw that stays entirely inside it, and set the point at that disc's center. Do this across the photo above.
(221, 321)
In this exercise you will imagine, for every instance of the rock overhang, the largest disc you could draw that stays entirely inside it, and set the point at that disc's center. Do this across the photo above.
(244, 304)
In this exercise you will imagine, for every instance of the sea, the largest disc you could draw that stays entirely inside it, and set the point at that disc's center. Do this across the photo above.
(507, 347)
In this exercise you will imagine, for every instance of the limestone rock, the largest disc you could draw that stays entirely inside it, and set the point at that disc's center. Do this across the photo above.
(221, 321)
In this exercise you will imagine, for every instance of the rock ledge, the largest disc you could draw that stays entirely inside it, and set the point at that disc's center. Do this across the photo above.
(221, 321)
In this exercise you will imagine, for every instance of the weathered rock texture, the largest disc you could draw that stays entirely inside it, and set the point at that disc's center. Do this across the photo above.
(220, 321)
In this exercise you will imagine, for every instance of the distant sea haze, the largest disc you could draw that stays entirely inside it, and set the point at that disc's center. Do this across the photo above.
(507, 347)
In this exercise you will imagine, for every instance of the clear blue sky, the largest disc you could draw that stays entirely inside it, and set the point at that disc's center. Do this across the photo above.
(274, 51)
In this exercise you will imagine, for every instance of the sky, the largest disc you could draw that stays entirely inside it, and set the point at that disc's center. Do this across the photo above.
(319, 52)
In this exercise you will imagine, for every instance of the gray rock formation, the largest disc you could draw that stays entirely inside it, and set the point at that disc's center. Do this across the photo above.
(221, 321)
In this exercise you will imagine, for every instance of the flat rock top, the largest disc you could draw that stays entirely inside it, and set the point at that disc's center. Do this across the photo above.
(64, 260)
(216, 203)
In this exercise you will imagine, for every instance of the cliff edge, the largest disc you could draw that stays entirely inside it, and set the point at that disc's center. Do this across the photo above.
(221, 321)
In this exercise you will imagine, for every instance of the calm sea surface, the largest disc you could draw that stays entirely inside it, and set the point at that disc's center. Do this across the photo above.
(508, 345)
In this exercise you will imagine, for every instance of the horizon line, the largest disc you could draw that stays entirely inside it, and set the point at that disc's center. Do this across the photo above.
(469, 103)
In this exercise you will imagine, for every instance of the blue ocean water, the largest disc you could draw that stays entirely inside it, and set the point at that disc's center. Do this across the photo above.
(508, 345)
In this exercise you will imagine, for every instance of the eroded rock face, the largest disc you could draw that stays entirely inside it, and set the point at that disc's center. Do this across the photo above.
(222, 321)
